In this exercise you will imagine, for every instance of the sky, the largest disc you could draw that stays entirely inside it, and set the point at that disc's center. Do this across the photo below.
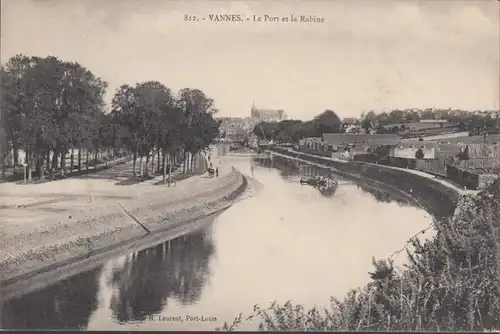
(365, 55)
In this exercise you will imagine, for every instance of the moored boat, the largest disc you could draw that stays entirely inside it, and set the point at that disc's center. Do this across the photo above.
(325, 185)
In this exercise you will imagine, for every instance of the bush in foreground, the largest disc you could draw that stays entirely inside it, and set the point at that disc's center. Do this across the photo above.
(450, 283)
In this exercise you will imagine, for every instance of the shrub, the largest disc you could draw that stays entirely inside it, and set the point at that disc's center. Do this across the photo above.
(419, 154)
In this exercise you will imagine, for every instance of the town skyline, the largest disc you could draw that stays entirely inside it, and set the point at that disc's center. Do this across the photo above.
(396, 55)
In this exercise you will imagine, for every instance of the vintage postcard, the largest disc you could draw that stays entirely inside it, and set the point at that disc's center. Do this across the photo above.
(182, 165)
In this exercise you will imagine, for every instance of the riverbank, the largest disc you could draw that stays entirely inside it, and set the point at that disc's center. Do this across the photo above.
(436, 196)
(66, 221)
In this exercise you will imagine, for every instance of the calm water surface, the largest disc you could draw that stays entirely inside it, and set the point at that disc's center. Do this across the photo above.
(287, 242)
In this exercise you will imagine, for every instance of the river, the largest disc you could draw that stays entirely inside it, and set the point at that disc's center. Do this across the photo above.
(286, 242)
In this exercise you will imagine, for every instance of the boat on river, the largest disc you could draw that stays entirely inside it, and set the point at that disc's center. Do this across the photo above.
(325, 185)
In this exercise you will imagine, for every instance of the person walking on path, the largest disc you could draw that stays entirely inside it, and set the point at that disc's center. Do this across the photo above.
(217, 171)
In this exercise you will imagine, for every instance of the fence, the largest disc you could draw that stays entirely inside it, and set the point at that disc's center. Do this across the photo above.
(469, 179)
(432, 166)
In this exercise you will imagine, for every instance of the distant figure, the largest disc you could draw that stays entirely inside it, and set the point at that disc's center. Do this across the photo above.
(217, 172)
(209, 157)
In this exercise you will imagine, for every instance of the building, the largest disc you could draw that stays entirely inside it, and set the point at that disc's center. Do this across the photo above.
(314, 145)
(233, 128)
(350, 120)
(267, 115)
(236, 134)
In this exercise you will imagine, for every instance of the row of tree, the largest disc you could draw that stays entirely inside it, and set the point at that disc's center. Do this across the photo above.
(50, 107)
(463, 120)
(290, 131)
(394, 122)
(397, 116)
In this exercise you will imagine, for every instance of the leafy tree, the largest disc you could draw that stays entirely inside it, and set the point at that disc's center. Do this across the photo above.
(327, 121)
(50, 106)
(126, 116)
(5, 145)
(265, 130)
(198, 110)
(419, 155)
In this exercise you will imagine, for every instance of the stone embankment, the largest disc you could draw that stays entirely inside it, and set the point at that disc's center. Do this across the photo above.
(84, 218)
(436, 196)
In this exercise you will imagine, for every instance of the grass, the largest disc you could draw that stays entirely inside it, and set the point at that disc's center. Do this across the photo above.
(451, 282)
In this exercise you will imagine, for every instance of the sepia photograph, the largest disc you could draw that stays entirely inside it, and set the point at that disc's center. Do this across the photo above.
(250, 165)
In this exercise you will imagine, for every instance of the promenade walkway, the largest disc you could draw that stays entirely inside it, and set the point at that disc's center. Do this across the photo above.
(34, 215)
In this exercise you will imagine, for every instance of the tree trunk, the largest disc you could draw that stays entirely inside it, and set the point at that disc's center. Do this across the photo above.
(164, 165)
(53, 164)
(79, 159)
(146, 168)
(3, 168)
(184, 166)
(16, 158)
(87, 162)
(96, 155)
(170, 169)
(133, 165)
(63, 161)
(193, 158)
(28, 162)
(158, 157)
(39, 166)
(47, 156)
(72, 159)
(141, 166)
(153, 171)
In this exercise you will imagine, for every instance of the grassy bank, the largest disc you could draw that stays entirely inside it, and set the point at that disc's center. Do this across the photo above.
(451, 282)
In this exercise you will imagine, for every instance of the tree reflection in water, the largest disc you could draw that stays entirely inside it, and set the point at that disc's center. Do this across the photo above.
(383, 196)
(175, 269)
(67, 304)
(291, 168)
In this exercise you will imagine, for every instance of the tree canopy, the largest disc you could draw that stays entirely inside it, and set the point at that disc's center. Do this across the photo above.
(293, 130)
(50, 106)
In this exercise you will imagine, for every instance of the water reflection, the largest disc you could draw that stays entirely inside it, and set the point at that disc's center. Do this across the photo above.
(67, 304)
(383, 196)
(177, 269)
(290, 169)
